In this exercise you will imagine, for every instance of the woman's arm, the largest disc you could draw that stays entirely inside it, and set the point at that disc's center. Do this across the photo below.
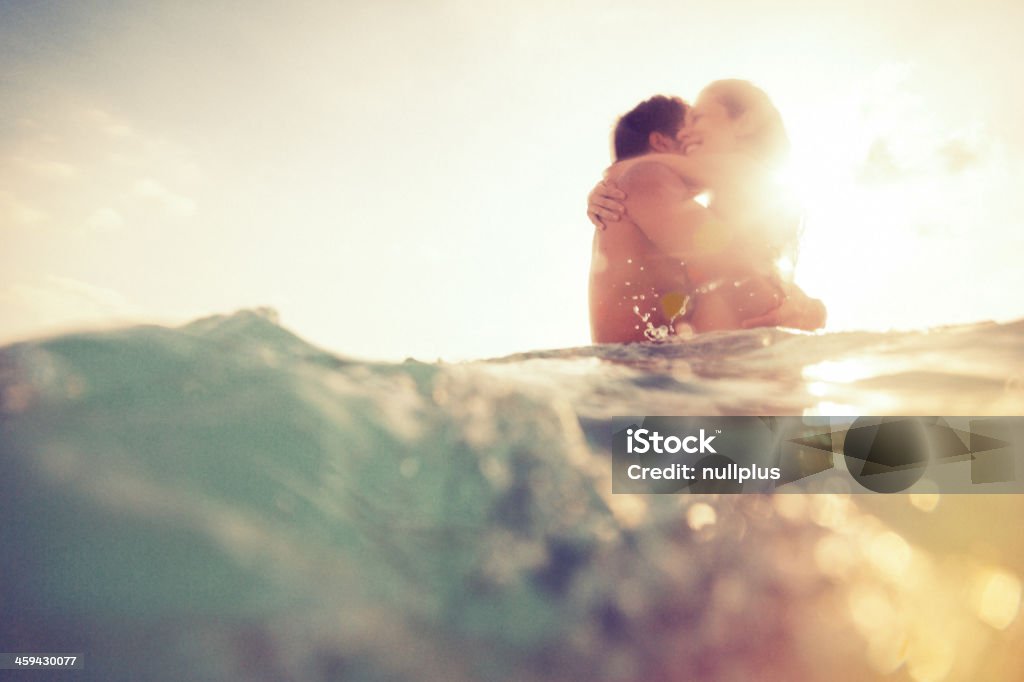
(661, 205)
(797, 311)
(705, 171)
(604, 204)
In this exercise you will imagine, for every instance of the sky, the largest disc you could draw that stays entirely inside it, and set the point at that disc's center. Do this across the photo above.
(409, 179)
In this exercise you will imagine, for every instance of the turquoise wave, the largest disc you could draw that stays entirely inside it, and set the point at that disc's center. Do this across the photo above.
(226, 501)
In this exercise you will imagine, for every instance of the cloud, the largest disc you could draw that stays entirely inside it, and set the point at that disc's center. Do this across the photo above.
(13, 211)
(177, 204)
(75, 168)
(44, 305)
(959, 155)
(913, 134)
(892, 158)
(107, 123)
(879, 165)
(47, 169)
(105, 220)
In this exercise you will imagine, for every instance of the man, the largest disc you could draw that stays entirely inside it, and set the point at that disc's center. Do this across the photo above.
(636, 288)
(641, 283)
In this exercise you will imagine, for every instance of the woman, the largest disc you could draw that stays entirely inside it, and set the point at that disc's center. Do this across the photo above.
(733, 144)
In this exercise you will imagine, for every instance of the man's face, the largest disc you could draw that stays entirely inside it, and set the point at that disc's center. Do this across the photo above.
(709, 128)
(679, 142)
(669, 144)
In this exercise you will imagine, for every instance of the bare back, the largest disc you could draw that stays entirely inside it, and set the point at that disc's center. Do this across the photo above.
(635, 289)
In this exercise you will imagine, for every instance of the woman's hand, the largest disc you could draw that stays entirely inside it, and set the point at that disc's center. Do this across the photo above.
(797, 311)
(604, 204)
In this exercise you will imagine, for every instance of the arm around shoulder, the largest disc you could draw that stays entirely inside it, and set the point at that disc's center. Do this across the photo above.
(662, 206)
(708, 170)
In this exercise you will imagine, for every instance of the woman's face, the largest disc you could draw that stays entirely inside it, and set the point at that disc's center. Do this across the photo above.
(709, 128)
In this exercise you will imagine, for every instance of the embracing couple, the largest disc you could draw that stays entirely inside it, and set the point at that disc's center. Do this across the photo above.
(663, 263)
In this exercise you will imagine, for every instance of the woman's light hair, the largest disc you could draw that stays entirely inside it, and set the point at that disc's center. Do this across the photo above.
(779, 231)
(768, 141)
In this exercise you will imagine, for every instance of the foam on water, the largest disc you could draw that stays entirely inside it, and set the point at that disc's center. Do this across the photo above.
(225, 501)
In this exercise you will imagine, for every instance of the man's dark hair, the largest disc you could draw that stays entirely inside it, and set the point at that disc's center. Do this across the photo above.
(633, 130)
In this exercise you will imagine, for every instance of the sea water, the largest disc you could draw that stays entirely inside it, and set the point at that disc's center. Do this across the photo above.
(225, 501)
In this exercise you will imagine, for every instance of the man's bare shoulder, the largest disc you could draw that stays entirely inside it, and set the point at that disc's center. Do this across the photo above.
(647, 176)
